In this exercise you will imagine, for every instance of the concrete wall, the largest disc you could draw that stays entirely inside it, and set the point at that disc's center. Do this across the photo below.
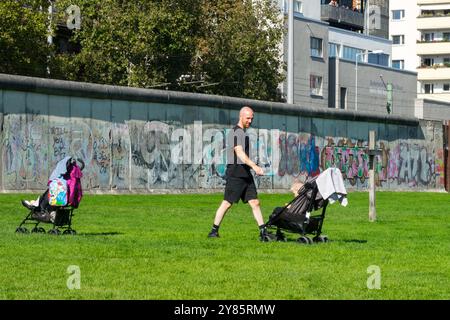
(432, 109)
(132, 140)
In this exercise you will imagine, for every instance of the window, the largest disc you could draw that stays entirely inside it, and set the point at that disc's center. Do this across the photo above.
(381, 59)
(343, 100)
(398, 64)
(398, 14)
(398, 39)
(428, 62)
(333, 50)
(298, 6)
(446, 36)
(429, 88)
(315, 85)
(446, 87)
(316, 47)
(428, 37)
(350, 53)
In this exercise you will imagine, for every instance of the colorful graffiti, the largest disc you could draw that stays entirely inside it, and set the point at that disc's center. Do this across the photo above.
(408, 164)
(299, 155)
(137, 155)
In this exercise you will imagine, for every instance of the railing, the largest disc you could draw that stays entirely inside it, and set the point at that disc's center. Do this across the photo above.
(342, 15)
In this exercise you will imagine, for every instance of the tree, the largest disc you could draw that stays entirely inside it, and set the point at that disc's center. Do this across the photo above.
(23, 37)
(224, 47)
(132, 43)
(240, 48)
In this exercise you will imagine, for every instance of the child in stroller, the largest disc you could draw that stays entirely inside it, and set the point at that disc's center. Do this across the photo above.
(314, 194)
(57, 203)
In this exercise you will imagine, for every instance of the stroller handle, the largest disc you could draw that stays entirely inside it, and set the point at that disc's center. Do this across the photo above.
(82, 163)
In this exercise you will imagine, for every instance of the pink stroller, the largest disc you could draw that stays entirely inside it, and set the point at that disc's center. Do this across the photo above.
(57, 203)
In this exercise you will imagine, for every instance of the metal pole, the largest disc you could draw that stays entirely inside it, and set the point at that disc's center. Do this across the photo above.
(356, 84)
(367, 17)
(290, 80)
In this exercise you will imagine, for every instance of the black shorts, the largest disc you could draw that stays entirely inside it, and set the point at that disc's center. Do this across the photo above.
(240, 188)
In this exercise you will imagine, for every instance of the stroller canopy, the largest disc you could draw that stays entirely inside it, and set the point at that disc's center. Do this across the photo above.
(61, 168)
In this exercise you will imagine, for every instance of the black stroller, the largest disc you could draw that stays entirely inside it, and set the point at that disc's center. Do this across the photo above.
(44, 210)
(295, 216)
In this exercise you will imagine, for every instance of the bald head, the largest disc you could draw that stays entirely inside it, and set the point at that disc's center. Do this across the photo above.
(245, 117)
(245, 109)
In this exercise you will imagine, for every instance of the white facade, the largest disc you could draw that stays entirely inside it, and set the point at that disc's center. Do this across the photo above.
(307, 8)
(402, 19)
(420, 30)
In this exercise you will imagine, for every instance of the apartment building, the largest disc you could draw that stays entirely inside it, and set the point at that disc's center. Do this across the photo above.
(404, 34)
(420, 33)
(433, 49)
(338, 65)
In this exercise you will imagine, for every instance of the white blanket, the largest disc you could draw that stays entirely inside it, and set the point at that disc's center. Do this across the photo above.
(331, 186)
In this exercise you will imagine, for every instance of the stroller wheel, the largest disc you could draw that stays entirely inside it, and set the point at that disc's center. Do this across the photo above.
(304, 240)
(38, 230)
(70, 231)
(279, 236)
(321, 239)
(21, 230)
(55, 232)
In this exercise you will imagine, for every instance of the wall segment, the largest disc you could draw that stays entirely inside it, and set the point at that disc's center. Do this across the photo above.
(143, 141)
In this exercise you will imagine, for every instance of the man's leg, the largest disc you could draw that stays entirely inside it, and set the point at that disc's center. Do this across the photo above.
(263, 233)
(256, 209)
(220, 213)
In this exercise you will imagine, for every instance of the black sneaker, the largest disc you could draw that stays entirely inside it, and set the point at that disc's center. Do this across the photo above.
(214, 234)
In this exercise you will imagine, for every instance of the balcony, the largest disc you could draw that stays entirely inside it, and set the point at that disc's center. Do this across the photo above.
(339, 16)
(433, 73)
(433, 22)
(420, 2)
(433, 48)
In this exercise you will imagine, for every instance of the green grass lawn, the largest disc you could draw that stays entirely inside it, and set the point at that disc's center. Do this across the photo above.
(155, 247)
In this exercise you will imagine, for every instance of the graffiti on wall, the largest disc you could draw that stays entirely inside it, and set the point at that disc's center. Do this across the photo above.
(408, 163)
(154, 154)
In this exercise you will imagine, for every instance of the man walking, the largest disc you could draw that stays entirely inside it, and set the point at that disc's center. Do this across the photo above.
(239, 180)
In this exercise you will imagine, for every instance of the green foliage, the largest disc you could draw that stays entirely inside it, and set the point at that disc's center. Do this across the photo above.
(131, 43)
(155, 247)
(217, 47)
(240, 48)
(23, 37)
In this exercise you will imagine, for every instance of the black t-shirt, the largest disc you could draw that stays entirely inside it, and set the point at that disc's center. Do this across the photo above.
(235, 166)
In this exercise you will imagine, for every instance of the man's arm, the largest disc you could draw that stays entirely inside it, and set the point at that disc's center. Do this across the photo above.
(245, 159)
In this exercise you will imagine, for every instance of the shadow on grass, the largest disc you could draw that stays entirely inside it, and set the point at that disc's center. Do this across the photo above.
(352, 241)
(290, 239)
(114, 233)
